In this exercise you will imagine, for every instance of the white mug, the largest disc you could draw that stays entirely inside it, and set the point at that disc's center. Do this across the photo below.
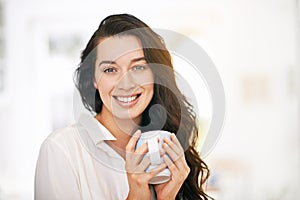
(150, 137)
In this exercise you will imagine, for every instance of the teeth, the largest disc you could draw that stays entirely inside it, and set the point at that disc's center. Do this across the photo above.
(126, 99)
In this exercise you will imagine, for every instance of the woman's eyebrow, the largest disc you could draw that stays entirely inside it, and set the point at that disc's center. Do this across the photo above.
(138, 59)
(113, 62)
(107, 62)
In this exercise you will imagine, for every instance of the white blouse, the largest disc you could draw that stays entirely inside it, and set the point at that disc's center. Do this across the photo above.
(75, 163)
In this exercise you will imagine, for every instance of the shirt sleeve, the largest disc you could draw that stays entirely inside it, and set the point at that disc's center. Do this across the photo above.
(54, 176)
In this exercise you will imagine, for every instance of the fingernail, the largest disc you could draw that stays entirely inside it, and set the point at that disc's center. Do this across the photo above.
(162, 152)
(173, 136)
(164, 145)
(137, 133)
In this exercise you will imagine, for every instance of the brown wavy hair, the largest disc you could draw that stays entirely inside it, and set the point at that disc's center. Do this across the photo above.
(174, 113)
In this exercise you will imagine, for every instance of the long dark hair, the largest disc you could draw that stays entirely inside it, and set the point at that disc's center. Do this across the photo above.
(174, 113)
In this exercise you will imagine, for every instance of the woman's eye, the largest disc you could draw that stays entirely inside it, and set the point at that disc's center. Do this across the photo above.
(109, 70)
(139, 67)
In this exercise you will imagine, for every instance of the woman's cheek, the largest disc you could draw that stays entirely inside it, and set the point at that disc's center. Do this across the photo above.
(145, 78)
(106, 85)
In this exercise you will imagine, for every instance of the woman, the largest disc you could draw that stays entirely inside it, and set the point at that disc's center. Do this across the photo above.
(126, 79)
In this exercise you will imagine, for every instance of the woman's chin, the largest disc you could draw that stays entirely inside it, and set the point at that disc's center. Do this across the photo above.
(127, 116)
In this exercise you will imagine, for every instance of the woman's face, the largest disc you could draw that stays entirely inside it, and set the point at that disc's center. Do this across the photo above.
(122, 77)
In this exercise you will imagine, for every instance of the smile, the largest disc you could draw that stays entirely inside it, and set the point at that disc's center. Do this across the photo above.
(127, 99)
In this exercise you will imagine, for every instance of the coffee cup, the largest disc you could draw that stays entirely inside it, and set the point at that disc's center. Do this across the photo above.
(151, 138)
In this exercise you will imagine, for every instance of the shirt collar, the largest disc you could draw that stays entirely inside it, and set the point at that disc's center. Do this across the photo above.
(94, 128)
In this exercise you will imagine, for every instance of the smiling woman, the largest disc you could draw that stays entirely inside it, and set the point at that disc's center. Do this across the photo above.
(126, 79)
(125, 83)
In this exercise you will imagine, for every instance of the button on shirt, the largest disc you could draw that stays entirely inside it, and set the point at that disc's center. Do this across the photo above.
(76, 163)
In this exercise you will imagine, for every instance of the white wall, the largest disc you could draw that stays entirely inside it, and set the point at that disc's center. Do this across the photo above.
(258, 57)
(254, 44)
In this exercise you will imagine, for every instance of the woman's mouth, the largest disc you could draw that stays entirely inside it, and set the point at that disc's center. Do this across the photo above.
(127, 100)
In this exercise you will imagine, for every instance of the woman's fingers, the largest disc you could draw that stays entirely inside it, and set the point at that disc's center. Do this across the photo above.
(140, 167)
(153, 172)
(179, 173)
(137, 162)
(170, 164)
(142, 149)
(144, 164)
(139, 153)
(177, 161)
(175, 153)
(176, 141)
(133, 140)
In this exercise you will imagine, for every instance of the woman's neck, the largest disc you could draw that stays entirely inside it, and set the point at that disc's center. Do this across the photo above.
(122, 129)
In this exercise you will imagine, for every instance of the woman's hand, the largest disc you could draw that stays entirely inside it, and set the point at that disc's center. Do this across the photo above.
(136, 164)
(179, 169)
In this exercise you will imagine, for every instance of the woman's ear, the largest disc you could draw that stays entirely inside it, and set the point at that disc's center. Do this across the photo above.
(95, 83)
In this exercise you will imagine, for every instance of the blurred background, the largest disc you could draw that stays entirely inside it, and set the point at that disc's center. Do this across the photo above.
(254, 45)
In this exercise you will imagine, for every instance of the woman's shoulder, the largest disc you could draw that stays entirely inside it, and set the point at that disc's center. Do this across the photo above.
(60, 146)
(64, 136)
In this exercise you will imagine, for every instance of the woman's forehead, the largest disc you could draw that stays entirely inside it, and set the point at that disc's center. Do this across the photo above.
(112, 48)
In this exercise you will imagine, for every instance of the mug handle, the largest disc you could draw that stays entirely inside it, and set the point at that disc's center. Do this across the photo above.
(153, 151)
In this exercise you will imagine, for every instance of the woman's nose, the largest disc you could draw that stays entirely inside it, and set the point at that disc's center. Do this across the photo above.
(127, 82)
